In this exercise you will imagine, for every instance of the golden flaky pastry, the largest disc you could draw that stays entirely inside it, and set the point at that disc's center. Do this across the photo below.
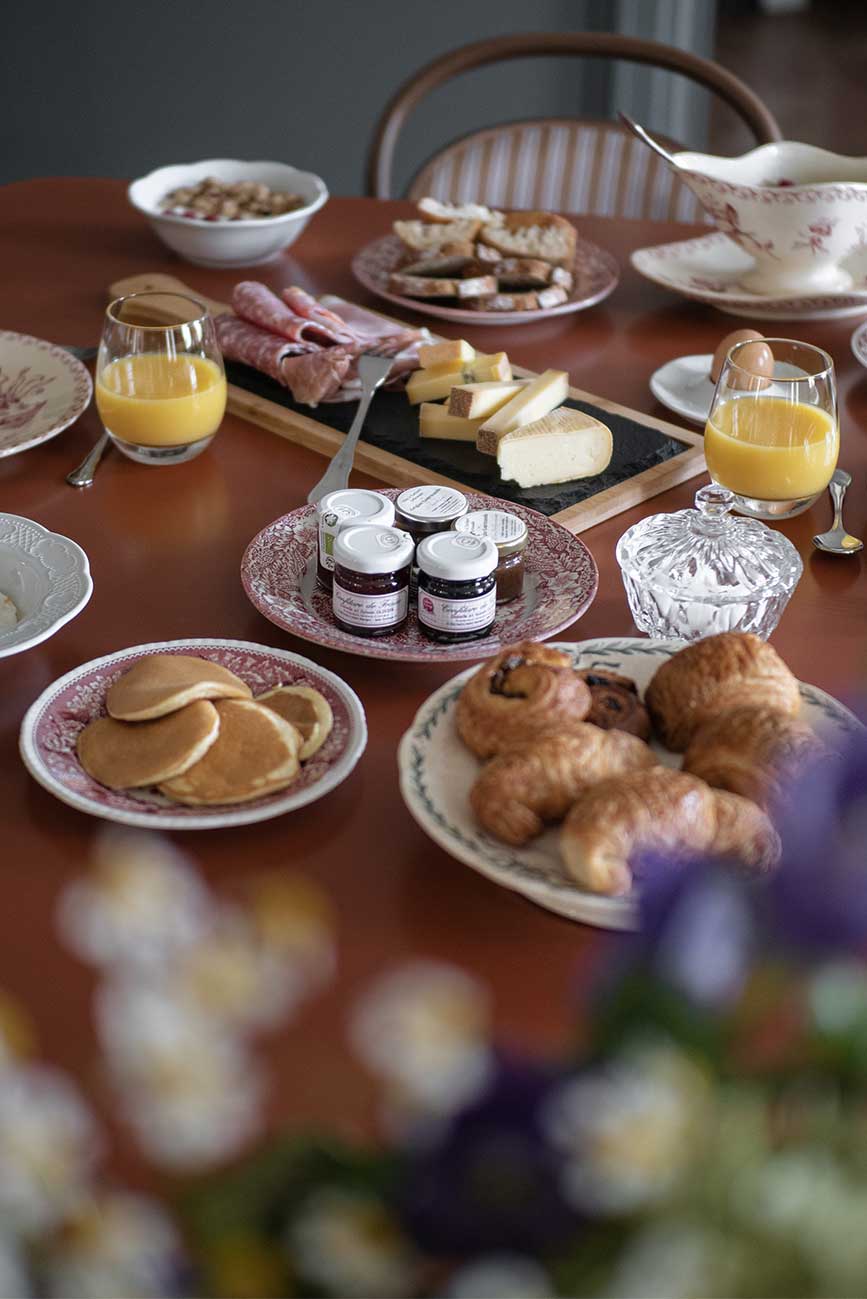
(755, 752)
(525, 691)
(537, 782)
(715, 676)
(129, 755)
(255, 753)
(162, 683)
(614, 702)
(612, 823)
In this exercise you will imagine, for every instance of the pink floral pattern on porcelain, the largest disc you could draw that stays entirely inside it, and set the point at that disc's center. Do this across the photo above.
(279, 576)
(596, 274)
(52, 726)
(20, 395)
(43, 389)
(859, 344)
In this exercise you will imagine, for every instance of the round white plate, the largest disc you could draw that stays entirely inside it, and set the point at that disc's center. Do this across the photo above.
(437, 770)
(859, 343)
(45, 575)
(43, 389)
(709, 269)
(52, 724)
(684, 386)
(595, 271)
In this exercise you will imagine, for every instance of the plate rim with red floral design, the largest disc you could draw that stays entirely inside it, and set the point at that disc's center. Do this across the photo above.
(566, 603)
(80, 393)
(373, 263)
(47, 737)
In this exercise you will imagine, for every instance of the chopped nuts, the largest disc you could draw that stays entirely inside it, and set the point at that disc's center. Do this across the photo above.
(214, 200)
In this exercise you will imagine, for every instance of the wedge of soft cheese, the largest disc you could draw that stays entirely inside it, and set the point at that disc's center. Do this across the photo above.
(479, 400)
(434, 421)
(539, 397)
(436, 383)
(557, 448)
(453, 349)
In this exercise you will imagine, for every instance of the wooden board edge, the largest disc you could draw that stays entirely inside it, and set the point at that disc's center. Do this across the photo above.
(634, 491)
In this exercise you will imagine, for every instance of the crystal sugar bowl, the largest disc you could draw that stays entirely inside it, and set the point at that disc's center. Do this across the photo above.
(698, 572)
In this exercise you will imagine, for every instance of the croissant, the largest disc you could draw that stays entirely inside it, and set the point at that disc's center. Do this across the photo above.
(755, 752)
(661, 810)
(527, 690)
(714, 676)
(517, 792)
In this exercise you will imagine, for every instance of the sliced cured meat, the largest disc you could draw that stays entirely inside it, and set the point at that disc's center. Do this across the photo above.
(241, 341)
(256, 303)
(304, 304)
(369, 329)
(318, 376)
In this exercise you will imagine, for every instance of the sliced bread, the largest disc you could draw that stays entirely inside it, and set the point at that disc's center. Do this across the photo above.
(450, 259)
(432, 209)
(423, 286)
(533, 234)
(534, 300)
(422, 236)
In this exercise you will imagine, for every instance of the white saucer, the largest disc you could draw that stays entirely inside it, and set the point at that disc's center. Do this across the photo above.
(859, 343)
(710, 267)
(684, 386)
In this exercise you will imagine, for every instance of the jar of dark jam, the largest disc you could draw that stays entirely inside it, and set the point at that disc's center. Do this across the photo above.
(509, 534)
(423, 511)
(370, 594)
(340, 509)
(457, 586)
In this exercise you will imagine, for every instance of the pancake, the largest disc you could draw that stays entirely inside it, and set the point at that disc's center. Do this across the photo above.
(255, 754)
(128, 755)
(162, 683)
(308, 711)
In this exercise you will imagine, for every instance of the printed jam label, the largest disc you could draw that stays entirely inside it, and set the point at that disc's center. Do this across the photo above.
(457, 615)
(496, 524)
(431, 503)
(329, 526)
(369, 610)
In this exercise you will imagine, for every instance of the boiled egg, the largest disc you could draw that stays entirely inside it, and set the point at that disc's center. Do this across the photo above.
(757, 359)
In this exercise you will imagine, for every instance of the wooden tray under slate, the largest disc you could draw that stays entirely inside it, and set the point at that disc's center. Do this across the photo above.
(650, 455)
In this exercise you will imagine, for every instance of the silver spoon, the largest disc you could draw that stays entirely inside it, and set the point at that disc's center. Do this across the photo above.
(83, 475)
(837, 541)
(372, 371)
(642, 135)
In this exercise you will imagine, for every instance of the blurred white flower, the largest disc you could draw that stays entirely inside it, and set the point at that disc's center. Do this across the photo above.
(17, 1035)
(424, 1029)
(500, 1276)
(629, 1130)
(347, 1244)
(675, 1260)
(294, 921)
(188, 1088)
(14, 1280)
(48, 1147)
(115, 1244)
(141, 902)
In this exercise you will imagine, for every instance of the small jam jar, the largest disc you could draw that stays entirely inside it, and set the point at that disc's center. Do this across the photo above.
(457, 586)
(336, 511)
(370, 594)
(422, 511)
(509, 534)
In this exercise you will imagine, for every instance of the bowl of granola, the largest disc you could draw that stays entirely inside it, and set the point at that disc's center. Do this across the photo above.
(223, 212)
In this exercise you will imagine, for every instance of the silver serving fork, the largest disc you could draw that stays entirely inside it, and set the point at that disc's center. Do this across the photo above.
(372, 371)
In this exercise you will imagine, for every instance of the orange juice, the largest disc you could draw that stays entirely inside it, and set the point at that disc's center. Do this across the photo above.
(770, 449)
(156, 400)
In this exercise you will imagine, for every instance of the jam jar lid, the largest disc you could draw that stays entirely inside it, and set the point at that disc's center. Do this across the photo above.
(368, 548)
(357, 502)
(708, 556)
(457, 557)
(508, 533)
(431, 504)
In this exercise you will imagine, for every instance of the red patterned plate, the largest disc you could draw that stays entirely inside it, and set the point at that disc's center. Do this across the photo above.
(279, 576)
(595, 271)
(52, 725)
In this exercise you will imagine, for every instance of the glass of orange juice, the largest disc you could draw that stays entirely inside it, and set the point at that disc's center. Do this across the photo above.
(160, 383)
(774, 439)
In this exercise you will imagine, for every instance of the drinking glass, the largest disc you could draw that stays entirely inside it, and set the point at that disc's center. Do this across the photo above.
(774, 441)
(160, 382)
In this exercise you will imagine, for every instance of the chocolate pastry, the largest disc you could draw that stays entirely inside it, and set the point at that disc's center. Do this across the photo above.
(614, 703)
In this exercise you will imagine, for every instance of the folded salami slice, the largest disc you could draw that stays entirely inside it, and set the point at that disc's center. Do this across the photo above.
(256, 303)
(241, 341)
(371, 330)
(304, 304)
(317, 376)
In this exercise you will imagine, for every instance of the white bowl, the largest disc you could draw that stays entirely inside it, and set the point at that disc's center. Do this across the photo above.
(228, 243)
(45, 575)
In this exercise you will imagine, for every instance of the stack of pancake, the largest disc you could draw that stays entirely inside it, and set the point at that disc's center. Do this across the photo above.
(193, 730)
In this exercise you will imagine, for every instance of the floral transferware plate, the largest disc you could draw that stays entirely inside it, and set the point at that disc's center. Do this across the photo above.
(595, 271)
(709, 269)
(436, 772)
(47, 578)
(859, 344)
(52, 724)
(279, 576)
(43, 389)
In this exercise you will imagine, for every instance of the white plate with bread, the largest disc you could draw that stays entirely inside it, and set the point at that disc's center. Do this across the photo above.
(473, 265)
(491, 816)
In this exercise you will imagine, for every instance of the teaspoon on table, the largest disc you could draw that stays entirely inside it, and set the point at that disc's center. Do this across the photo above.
(837, 541)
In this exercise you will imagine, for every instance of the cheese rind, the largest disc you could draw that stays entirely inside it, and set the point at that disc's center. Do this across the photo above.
(480, 400)
(434, 421)
(437, 383)
(452, 349)
(539, 397)
(564, 445)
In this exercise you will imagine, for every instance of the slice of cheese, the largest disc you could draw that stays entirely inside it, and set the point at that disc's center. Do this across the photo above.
(437, 383)
(561, 446)
(434, 421)
(453, 349)
(479, 400)
(539, 397)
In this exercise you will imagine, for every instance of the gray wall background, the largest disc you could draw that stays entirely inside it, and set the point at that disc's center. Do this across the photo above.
(103, 88)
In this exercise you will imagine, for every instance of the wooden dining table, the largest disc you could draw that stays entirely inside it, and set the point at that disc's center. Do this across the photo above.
(165, 545)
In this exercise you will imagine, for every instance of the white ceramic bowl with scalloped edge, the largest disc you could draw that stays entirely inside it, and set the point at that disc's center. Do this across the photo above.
(249, 242)
(47, 578)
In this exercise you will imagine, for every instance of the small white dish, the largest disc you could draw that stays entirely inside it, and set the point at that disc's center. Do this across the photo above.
(859, 344)
(43, 389)
(45, 575)
(684, 386)
(436, 771)
(710, 268)
(228, 243)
